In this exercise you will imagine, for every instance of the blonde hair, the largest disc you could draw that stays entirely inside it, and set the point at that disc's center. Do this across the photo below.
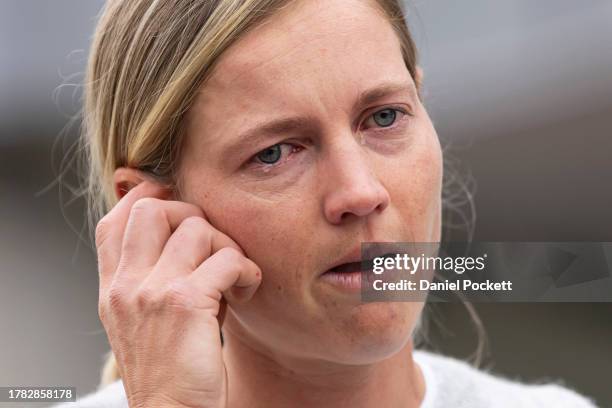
(147, 60)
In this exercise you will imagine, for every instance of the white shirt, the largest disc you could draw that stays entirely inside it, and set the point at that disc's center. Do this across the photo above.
(454, 383)
(448, 383)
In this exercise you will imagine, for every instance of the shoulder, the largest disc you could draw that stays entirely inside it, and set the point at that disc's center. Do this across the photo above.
(109, 396)
(455, 383)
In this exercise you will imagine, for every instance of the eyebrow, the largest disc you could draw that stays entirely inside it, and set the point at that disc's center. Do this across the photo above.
(289, 124)
(385, 89)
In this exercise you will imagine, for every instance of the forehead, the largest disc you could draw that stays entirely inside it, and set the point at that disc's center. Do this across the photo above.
(303, 36)
(312, 54)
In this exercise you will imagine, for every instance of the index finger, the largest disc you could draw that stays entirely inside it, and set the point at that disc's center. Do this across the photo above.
(111, 228)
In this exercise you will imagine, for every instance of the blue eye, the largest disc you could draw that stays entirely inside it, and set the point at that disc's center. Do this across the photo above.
(385, 117)
(270, 155)
(275, 155)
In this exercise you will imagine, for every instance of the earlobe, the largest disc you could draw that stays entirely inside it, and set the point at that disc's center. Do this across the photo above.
(126, 178)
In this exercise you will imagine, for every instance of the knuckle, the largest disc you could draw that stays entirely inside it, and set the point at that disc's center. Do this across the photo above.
(176, 296)
(230, 254)
(146, 298)
(115, 300)
(196, 228)
(193, 221)
(146, 205)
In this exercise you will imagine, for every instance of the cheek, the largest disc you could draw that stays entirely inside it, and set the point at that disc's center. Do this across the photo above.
(271, 234)
(429, 169)
(416, 188)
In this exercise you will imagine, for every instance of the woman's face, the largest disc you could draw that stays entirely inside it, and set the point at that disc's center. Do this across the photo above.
(337, 169)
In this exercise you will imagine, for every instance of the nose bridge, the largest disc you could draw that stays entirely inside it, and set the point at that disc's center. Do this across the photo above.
(348, 164)
(352, 184)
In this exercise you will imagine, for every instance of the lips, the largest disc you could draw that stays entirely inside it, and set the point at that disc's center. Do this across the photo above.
(352, 261)
(348, 276)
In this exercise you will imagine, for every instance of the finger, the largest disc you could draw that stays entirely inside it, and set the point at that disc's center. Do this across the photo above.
(224, 270)
(110, 229)
(191, 244)
(151, 223)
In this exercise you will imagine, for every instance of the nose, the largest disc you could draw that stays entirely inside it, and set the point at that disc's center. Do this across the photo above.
(353, 188)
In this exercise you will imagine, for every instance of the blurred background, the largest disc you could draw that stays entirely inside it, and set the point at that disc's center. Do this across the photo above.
(521, 90)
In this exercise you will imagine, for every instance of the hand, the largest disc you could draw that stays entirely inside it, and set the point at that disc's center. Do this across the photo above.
(165, 277)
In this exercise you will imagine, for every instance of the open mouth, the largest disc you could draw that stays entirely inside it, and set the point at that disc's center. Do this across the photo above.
(354, 274)
(360, 266)
(347, 268)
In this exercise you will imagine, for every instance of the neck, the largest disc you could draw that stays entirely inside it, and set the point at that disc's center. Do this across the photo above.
(260, 379)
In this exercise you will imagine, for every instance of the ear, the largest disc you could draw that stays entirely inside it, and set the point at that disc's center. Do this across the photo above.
(125, 178)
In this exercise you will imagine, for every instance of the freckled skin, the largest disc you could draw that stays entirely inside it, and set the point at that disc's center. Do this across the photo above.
(285, 220)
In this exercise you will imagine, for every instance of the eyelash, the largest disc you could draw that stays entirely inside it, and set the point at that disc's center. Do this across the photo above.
(392, 127)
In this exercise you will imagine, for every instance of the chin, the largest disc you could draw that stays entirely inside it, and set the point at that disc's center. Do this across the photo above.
(375, 331)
